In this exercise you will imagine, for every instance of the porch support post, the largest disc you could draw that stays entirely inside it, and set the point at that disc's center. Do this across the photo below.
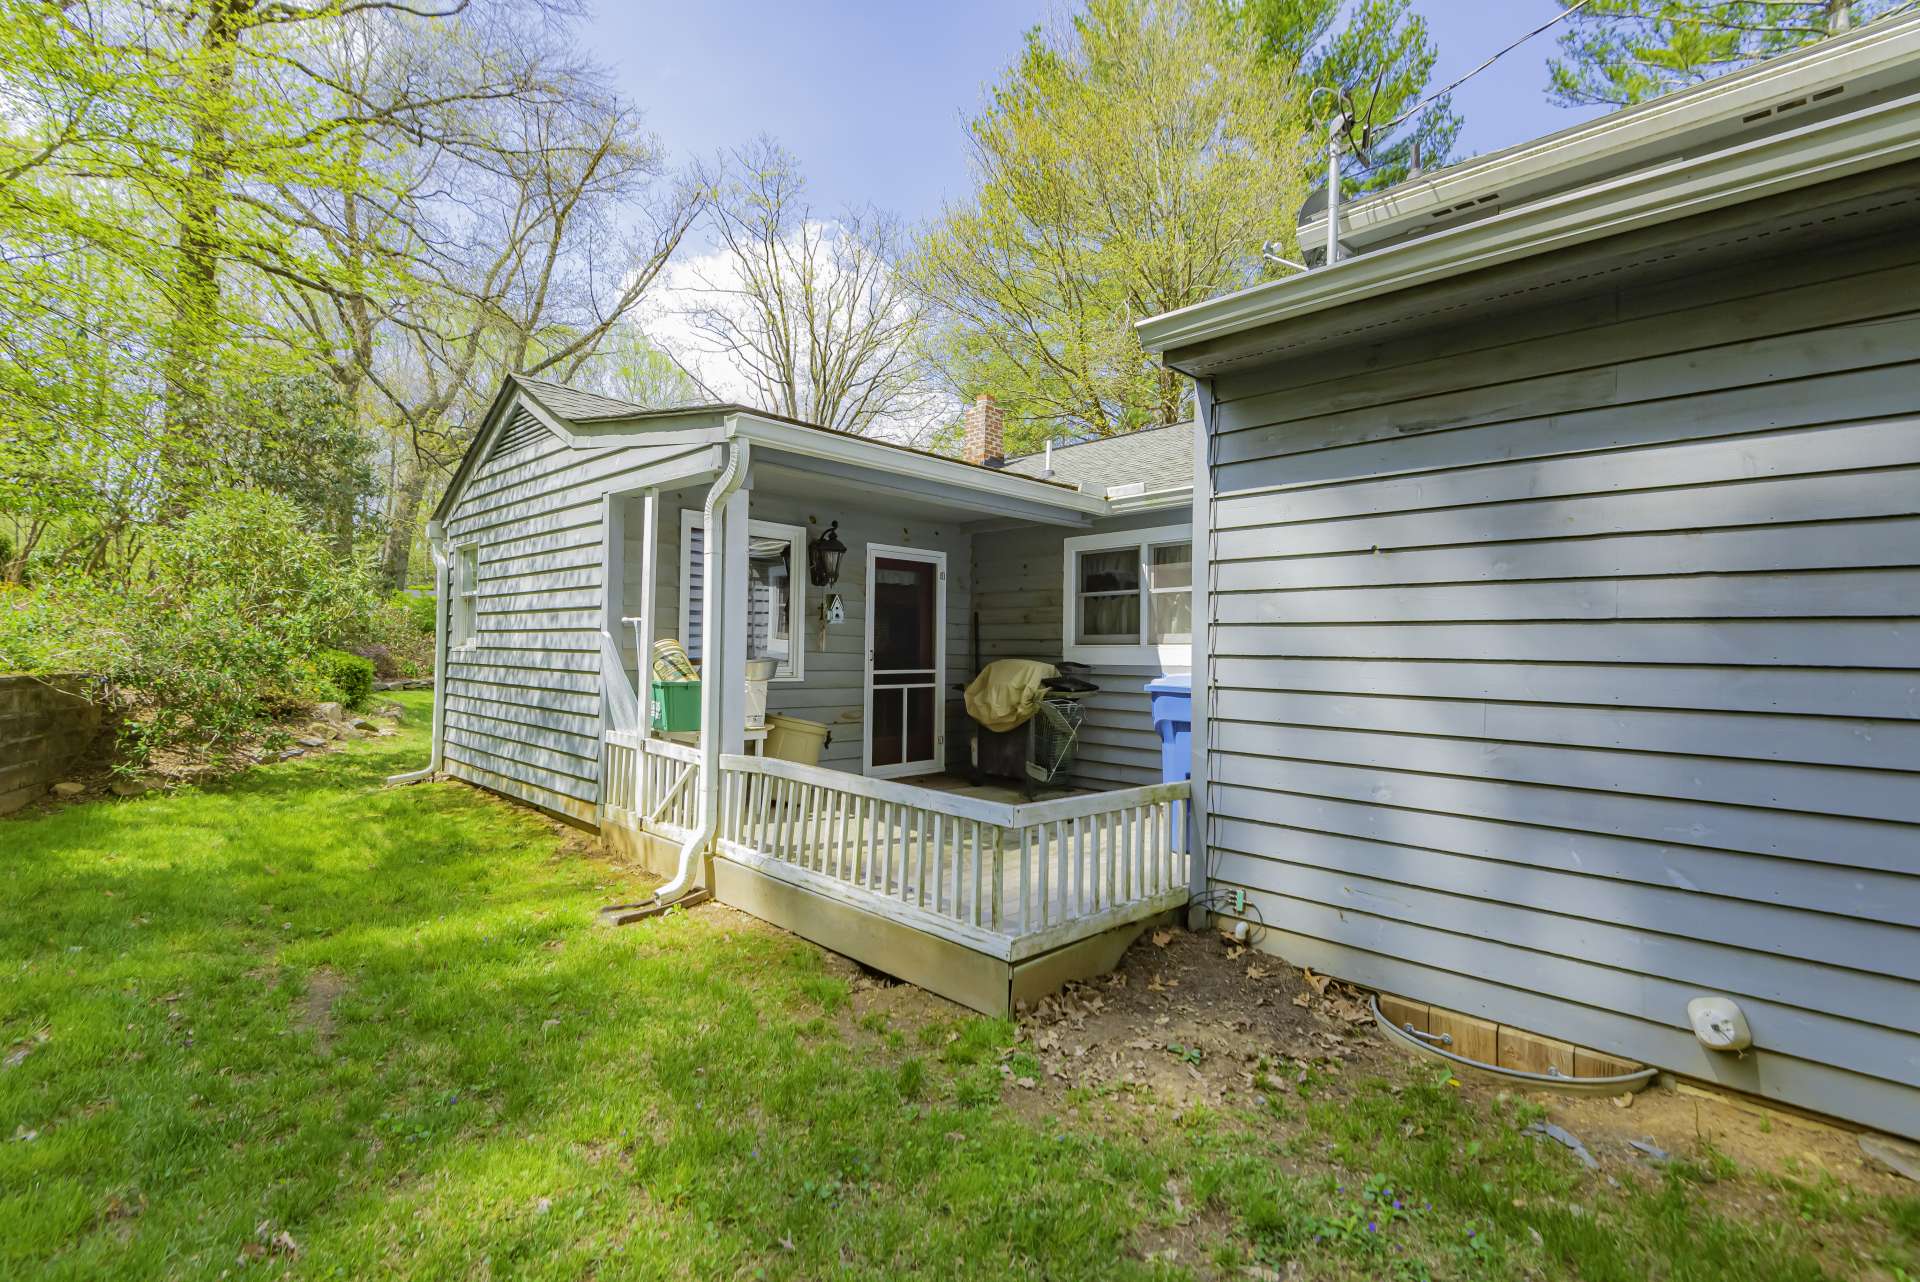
(649, 589)
(725, 644)
(1198, 829)
(616, 688)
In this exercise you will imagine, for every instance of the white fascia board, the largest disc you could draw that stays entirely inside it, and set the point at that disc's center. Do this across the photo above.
(1885, 134)
(963, 478)
(1175, 496)
(1868, 60)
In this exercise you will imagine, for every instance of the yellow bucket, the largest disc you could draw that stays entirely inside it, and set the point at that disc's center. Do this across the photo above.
(795, 739)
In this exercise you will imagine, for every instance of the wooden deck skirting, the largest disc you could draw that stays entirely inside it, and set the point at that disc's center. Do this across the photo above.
(900, 877)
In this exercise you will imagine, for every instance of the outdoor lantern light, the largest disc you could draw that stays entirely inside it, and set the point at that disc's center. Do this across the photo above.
(823, 557)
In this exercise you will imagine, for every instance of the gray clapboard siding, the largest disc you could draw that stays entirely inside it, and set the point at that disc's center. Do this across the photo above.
(1694, 309)
(1815, 545)
(1830, 741)
(831, 689)
(1808, 691)
(1019, 576)
(523, 702)
(1844, 843)
(1868, 394)
(1566, 665)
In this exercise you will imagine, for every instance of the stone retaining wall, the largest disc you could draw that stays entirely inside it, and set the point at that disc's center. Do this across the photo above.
(45, 723)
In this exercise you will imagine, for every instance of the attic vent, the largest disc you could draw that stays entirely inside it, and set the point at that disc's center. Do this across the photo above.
(525, 430)
(1465, 205)
(1793, 104)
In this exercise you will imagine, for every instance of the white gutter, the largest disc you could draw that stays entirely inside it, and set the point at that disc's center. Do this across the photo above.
(1882, 135)
(1150, 500)
(713, 626)
(442, 567)
(1868, 60)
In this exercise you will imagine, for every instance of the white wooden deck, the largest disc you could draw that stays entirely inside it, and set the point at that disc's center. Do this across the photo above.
(1009, 881)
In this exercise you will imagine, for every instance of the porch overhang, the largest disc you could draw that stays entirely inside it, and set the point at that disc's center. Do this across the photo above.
(913, 474)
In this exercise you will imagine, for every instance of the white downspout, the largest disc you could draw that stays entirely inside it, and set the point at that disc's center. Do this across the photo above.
(442, 591)
(714, 595)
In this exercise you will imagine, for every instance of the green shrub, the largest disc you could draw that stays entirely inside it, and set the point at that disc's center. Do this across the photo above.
(216, 628)
(396, 640)
(349, 674)
(418, 608)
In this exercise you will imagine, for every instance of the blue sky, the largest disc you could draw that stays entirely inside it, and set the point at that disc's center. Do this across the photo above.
(871, 96)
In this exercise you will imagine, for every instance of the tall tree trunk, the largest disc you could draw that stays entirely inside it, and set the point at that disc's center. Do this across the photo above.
(397, 556)
(195, 329)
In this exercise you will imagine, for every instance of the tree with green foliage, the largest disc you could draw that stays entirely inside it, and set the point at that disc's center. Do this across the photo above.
(1137, 160)
(1130, 162)
(1378, 55)
(1619, 52)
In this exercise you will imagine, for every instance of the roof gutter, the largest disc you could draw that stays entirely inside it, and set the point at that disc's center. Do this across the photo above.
(1150, 500)
(1885, 134)
(1707, 116)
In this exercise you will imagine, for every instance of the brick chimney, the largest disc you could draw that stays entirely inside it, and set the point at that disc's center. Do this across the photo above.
(981, 443)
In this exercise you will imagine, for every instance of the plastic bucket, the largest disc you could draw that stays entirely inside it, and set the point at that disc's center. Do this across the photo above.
(670, 661)
(759, 672)
(795, 739)
(676, 706)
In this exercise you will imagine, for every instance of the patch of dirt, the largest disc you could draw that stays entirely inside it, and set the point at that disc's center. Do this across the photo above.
(315, 1014)
(1188, 1018)
(1196, 1019)
(1192, 1018)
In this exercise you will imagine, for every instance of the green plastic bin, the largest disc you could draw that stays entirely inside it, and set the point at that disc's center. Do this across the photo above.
(676, 706)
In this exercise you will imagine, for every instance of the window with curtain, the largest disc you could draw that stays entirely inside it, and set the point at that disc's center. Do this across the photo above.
(1129, 595)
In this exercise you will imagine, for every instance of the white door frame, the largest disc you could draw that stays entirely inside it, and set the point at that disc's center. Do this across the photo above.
(875, 553)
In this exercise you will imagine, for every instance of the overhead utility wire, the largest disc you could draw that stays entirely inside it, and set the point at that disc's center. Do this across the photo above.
(1438, 94)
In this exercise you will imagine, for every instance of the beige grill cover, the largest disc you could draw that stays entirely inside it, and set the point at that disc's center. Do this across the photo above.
(1007, 692)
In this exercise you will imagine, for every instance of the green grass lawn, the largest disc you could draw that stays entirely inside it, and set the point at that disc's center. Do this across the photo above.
(302, 1024)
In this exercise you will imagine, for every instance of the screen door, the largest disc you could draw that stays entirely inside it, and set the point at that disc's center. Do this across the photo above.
(906, 654)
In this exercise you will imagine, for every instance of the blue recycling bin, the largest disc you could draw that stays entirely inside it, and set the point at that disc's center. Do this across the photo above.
(1171, 698)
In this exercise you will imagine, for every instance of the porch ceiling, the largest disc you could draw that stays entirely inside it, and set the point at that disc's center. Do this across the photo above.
(873, 489)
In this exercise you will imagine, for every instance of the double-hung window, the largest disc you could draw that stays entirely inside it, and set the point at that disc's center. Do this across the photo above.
(1129, 597)
(466, 596)
(776, 592)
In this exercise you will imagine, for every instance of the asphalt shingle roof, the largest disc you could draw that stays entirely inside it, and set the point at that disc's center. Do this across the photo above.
(1157, 457)
(581, 407)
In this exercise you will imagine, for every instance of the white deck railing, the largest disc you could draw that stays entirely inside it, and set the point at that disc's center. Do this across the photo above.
(652, 784)
(1011, 879)
(987, 872)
